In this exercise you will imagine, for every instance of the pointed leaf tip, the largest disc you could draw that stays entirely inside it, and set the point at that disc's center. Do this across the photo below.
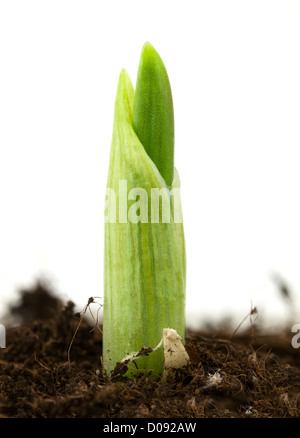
(124, 98)
(153, 115)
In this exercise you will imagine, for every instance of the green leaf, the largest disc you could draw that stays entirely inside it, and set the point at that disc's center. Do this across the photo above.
(153, 115)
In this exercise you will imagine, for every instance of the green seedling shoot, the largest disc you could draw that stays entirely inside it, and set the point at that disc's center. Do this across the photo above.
(145, 266)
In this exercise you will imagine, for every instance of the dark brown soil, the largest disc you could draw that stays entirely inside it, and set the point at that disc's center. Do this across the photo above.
(247, 375)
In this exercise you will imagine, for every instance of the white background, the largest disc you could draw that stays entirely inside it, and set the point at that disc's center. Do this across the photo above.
(234, 68)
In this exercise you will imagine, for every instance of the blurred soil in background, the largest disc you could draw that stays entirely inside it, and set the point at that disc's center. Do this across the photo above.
(51, 367)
